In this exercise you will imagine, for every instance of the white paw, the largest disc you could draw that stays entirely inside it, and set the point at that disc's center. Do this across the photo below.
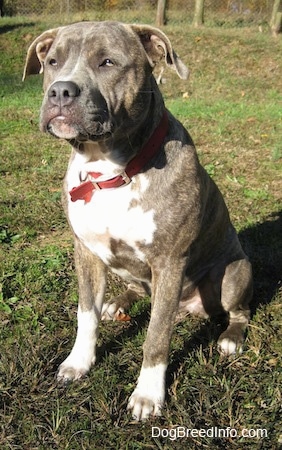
(148, 397)
(74, 368)
(143, 406)
(227, 347)
(110, 311)
(82, 356)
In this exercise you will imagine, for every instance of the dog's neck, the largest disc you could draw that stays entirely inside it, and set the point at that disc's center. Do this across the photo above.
(120, 148)
(93, 180)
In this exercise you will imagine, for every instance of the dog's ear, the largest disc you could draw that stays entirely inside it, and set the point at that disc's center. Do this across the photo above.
(158, 47)
(37, 52)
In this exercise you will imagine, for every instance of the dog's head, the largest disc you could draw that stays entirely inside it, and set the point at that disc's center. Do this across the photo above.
(98, 77)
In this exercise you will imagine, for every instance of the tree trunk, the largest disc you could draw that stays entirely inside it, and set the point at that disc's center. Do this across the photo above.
(161, 20)
(198, 20)
(276, 17)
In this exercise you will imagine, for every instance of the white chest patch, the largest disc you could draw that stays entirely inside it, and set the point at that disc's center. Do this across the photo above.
(111, 215)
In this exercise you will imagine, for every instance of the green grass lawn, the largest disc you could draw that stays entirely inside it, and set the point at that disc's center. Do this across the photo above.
(232, 108)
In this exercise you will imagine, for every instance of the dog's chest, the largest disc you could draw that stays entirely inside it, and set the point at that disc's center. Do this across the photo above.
(113, 218)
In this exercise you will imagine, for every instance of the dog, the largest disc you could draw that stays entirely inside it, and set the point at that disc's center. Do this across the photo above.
(136, 197)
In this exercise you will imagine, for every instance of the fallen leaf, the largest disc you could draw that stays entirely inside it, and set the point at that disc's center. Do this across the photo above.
(122, 317)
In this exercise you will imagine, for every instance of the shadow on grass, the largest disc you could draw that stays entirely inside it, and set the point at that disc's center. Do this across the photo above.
(263, 245)
(8, 27)
(128, 331)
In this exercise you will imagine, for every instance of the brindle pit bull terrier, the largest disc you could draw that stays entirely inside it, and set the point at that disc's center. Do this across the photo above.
(136, 197)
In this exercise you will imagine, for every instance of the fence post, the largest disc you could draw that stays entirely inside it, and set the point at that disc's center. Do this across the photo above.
(276, 17)
(160, 20)
(198, 20)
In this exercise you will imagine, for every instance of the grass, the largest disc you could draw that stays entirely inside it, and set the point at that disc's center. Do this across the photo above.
(232, 107)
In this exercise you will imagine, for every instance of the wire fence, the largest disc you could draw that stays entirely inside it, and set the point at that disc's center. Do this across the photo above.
(217, 12)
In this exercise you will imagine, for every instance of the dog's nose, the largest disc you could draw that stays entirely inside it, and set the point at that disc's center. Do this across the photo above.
(63, 93)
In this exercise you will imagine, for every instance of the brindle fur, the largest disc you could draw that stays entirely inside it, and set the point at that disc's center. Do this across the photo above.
(195, 253)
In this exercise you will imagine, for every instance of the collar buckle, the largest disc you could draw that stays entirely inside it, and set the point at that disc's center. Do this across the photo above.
(125, 178)
(96, 186)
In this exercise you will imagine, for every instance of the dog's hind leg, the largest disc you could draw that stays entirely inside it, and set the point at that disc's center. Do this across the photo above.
(92, 285)
(236, 293)
(122, 302)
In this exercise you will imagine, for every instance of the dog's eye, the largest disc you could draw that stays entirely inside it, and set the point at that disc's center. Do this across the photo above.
(107, 62)
(53, 62)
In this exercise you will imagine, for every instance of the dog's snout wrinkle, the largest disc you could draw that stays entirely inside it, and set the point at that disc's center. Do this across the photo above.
(63, 93)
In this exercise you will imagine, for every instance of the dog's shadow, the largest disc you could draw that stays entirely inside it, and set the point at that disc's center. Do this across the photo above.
(263, 244)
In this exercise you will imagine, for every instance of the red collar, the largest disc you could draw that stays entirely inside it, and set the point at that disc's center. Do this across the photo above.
(150, 149)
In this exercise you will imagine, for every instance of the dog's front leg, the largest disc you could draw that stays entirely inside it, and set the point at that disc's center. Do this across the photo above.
(149, 394)
(91, 273)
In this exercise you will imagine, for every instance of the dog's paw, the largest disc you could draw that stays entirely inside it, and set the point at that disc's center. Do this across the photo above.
(110, 311)
(142, 406)
(68, 373)
(73, 369)
(148, 397)
(230, 345)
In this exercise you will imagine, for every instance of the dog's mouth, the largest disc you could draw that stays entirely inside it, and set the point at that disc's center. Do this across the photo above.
(63, 127)
(60, 127)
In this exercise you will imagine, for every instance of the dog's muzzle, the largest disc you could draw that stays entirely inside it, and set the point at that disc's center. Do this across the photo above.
(61, 96)
(65, 117)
